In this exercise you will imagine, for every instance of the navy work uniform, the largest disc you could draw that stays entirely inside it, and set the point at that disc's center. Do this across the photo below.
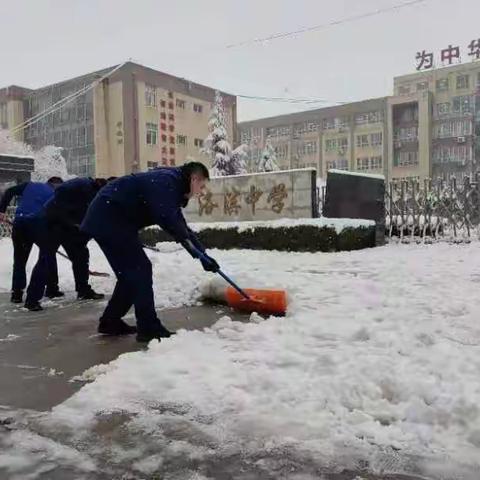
(31, 196)
(58, 225)
(114, 219)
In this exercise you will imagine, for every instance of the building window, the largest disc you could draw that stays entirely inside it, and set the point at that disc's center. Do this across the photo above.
(362, 163)
(171, 128)
(150, 96)
(172, 151)
(462, 104)
(163, 116)
(152, 133)
(198, 142)
(362, 141)
(405, 159)
(376, 139)
(274, 132)
(422, 86)
(170, 105)
(164, 138)
(172, 162)
(197, 108)
(170, 94)
(463, 81)
(152, 165)
(361, 118)
(180, 103)
(163, 126)
(405, 134)
(376, 162)
(163, 103)
(331, 145)
(443, 108)
(181, 140)
(455, 128)
(312, 126)
(171, 117)
(453, 154)
(442, 85)
(340, 164)
(172, 140)
(81, 136)
(164, 150)
(404, 90)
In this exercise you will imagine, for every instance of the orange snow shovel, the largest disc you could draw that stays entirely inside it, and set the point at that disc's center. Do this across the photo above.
(270, 302)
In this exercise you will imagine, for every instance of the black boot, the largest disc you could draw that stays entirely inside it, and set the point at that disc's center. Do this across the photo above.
(17, 296)
(54, 293)
(89, 294)
(33, 306)
(159, 333)
(115, 327)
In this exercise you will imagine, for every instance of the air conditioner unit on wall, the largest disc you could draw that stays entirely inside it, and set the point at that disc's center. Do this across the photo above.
(461, 139)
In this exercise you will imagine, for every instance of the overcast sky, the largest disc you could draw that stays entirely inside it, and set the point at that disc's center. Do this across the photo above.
(45, 41)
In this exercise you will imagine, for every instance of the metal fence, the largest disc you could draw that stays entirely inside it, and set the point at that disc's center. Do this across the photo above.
(429, 211)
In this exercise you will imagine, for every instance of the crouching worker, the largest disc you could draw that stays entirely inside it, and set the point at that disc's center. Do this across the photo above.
(31, 196)
(58, 224)
(114, 219)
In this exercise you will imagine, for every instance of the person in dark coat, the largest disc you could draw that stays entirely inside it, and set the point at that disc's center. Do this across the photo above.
(31, 197)
(58, 225)
(114, 219)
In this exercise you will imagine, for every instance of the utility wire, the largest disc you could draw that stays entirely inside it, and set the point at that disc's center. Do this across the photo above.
(61, 103)
(306, 101)
(353, 18)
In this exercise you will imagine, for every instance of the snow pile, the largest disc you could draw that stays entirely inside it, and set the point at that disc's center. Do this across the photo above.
(49, 161)
(339, 224)
(379, 351)
(358, 174)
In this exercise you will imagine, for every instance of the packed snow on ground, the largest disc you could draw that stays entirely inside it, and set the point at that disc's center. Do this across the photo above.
(379, 351)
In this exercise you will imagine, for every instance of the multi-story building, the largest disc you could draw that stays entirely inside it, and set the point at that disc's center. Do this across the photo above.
(446, 110)
(130, 120)
(430, 128)
(345, 137)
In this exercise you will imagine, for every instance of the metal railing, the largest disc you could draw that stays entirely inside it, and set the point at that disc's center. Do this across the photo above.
(428, 211)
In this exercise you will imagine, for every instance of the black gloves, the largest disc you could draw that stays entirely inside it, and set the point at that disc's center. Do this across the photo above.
(209, 264)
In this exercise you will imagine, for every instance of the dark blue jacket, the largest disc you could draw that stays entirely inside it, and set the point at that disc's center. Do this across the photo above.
(70, 202)
(144, 199)
(32, 197)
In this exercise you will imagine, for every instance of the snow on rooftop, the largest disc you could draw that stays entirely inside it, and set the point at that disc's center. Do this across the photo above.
(358, 174)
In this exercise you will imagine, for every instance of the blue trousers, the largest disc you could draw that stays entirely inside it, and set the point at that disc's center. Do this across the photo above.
(49, 238)
(22, 246)
(119, 241)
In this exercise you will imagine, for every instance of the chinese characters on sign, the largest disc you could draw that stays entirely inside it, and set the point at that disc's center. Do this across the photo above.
(448, 55)
(206, 203)
(277, 195)
(253, 197)
(232, 200)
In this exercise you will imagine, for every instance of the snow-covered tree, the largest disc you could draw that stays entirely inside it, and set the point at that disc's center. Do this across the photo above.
(268, 161)
(238, 161)
(225, 161)
(49, 161)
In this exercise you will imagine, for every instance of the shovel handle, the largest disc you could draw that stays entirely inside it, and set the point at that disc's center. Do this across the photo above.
(203, 256)
(234, 285)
